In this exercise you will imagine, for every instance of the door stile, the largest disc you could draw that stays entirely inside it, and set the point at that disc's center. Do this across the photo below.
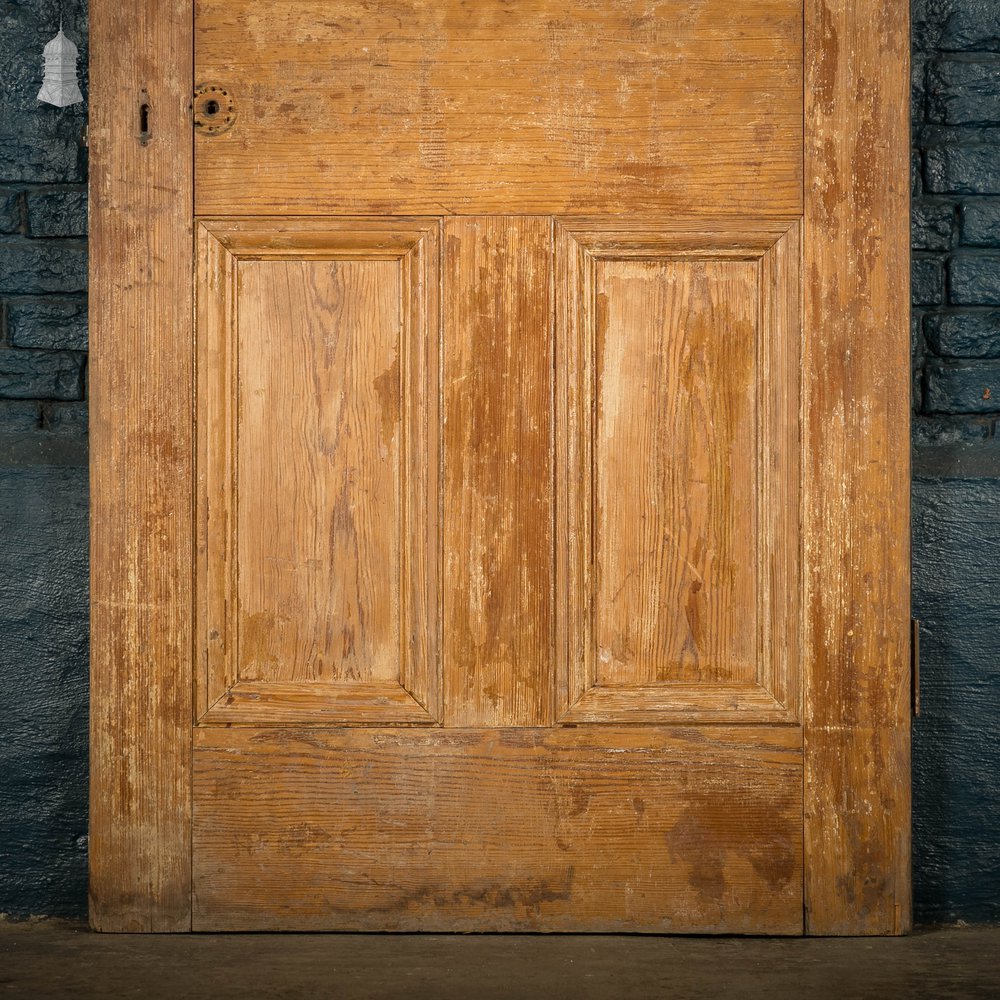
(856, 468)
(142, 464)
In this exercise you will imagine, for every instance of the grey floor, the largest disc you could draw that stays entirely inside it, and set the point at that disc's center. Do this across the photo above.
(54, 959)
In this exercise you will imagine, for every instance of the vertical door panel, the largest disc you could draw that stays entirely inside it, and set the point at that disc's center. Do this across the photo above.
(318, 526)
(674, 462)
(677, 538)
(318, 542)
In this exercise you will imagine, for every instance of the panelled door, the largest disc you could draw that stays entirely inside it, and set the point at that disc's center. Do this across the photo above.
(500, 470)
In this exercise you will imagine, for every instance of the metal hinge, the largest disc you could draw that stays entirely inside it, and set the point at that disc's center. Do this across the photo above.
(915, 664)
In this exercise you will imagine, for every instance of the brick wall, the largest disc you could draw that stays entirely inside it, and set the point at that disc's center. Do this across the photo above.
(43, 474)
(956, 488)
(956, 399)
(956, 220)
(43, 228)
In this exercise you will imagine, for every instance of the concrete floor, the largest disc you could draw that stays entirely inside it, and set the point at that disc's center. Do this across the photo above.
(54, 959)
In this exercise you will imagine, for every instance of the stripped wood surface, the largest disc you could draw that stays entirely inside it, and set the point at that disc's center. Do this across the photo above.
(677, 468)
(317, 541)
(518, 429)
(319, 527)
(655, 830)
(539, 107)
(141, 455)
(497, 493)
(857, 471)
(674, 460)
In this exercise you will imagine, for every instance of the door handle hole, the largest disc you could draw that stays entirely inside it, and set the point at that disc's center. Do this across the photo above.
(213, 109)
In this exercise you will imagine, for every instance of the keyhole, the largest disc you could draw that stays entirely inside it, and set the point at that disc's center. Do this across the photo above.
(144, 131)
(211, 107)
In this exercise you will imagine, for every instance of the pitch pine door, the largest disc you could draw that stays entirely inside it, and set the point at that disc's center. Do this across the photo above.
(498, 470)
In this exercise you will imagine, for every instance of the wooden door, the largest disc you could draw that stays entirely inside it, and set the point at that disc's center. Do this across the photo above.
(515, 537)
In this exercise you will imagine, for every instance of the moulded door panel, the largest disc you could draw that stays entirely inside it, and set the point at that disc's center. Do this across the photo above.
(318, 489)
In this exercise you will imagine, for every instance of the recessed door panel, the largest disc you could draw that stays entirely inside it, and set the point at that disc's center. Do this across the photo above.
(318, 443)
(674, 470)
(318, 402)
(678, 468)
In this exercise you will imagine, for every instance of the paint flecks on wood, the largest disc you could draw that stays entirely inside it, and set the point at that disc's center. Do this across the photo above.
(498, 498)
(142, 450)
(562, 829)
(856, 514)
(547, 107)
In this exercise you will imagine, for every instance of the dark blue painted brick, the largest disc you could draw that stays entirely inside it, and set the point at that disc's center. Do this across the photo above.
(964, 91)
(918, 87)
(927, 277)
(969, 333)
(57, 211)
(42, 432)
(43, 690)
(949, 430)
(962, 386)
(974, 279)
(65, 418)
(957, 135)
(38, 142)
(962, 25)
(36, 152)
(917, 353)
(972, 169)
(10, 210)
(932, 225)
(956, 740)
(53, 322)
(981, 223)
(40, 374)
(20, 416)
(39, 266)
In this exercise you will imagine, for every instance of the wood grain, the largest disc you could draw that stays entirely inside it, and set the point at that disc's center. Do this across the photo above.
(674, 470)
(497, 493)
(677, 467)
(626, 121)
(857, 470)
(657, 830)
(141, 453)
(318, 526)
(318, 408)
(543, 107)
